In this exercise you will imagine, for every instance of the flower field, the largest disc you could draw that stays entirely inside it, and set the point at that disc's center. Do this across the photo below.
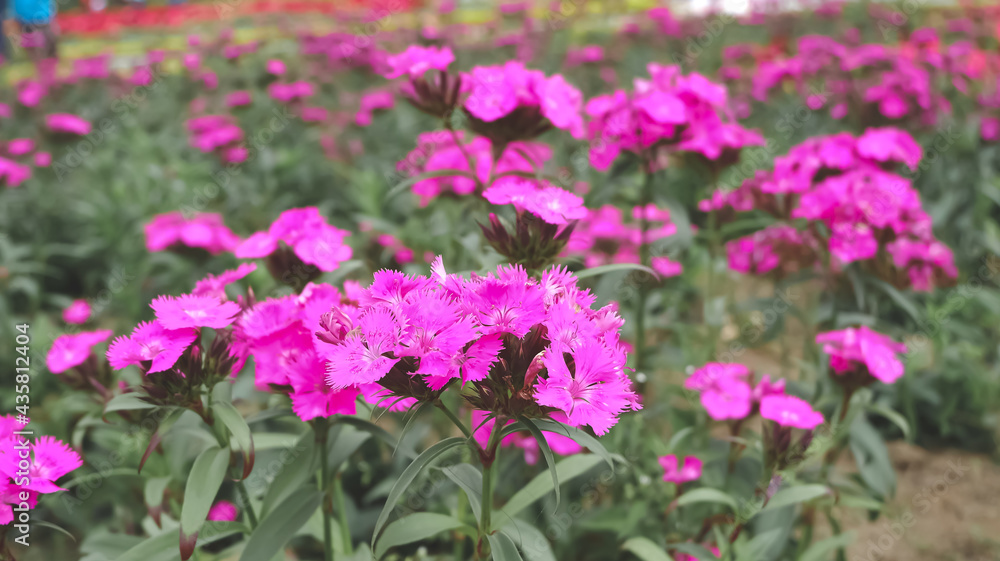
(572, 281)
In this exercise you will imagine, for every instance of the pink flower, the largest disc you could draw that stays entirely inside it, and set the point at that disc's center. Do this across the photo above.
(43, 159)
(194, 311)
(215, 286)
(205, 231)
(69, 351)
(30, 93)
(552, 204)
(378, 99)
(67, 123)
(689, 472)
(153, 343)
(13, 173)
(790, 411)
(223, 511)
(275, 67)
(237, 98)
(20, 146)
(496, 91)
(852, 347)
(77, 312)
(417, 60)
(724, 392)
(50, 460)
(304, 230)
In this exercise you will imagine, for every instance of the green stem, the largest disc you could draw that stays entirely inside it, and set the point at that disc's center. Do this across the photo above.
(222, 436)
(322, 429)
(247, 506)
(488, 460)
(645, 198)
(454, 419)
(345, 528)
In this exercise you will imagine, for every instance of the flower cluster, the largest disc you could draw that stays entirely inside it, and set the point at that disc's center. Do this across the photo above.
(604, 237)
(218, 134)
(861, 352)
(440, 150)
(299, 243)
(728, 392)
(683, 113)
(174, 231)
(520, 346)
(848, 185)
(508, 103)
(29, 469)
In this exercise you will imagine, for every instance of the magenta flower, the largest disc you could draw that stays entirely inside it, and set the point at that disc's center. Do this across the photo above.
(30, 93)
(151, 343)
(853, 347)
(238, 98)
(67, 123)
(552, 204)
(68, 351)
(20, 146)
(43, 159)
(496, 91)
(186, 310)
(215, 286)
(417, 60)
(50, 460)
(275, 67)
(414, 335)
(78, 312)
(724, 392)
(307, 233)
(378, 99)
(13, 173)
(223, 511)
(790, 411)
(205, 231)
(690, 471)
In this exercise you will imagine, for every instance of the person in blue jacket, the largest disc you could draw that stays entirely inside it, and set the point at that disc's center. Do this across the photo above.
(37, 17)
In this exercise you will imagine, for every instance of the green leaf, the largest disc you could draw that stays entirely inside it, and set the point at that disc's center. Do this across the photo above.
(541, 485)
(298, 466)
(415, 527)
(820, 551)
(502, 548)
(795, 495)
(470, 480)
(550, 461)
(281, 525)
(530, 541)
(706, 495)
(407, 477)
(905, 303)
(677, 438)
(227, 413)
(345, 441)
(646, 549)
(55, 527)
(207, 474)
(126, 402)
(698, 551)
(893, 416)
(403, 185)
(153, 494)
(161, 547)
(582, 438)
(377, 432)
(872, 456)
(602, 269)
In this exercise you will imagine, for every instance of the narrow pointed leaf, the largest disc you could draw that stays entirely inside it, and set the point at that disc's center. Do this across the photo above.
(282, 524)
(207, 474)
(646, 549)
(415, 527)
(227, 413)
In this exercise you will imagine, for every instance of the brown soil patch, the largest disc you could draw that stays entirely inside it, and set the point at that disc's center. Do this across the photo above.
(946, 508)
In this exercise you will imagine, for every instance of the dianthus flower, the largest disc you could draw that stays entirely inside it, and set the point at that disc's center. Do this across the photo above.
(205, 231)
(853, 348)
(306, 233)
(417, 335)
